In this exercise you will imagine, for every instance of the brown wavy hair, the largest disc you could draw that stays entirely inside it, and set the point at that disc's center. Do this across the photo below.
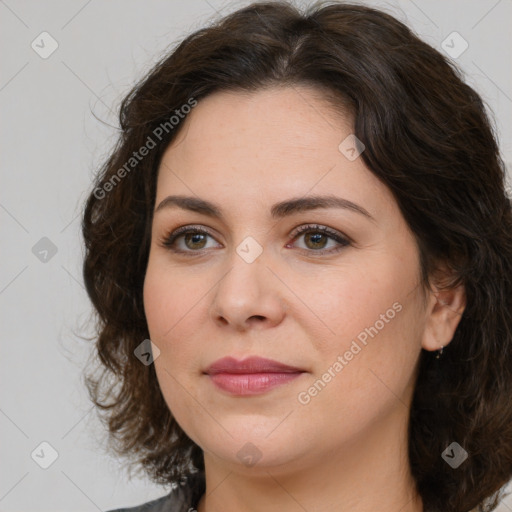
(428, 138)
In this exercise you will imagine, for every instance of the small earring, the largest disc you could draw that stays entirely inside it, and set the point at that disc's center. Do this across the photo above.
(439, 352)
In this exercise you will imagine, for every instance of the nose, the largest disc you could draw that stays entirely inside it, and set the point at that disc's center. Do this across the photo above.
(249, 295)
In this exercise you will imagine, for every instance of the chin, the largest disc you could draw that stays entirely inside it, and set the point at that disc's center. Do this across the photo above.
(255, 449)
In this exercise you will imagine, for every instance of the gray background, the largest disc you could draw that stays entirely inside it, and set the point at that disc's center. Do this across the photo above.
(51, 144)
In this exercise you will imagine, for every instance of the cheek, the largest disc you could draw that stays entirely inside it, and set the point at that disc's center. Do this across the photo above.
(367, 370)
(169, 297)
(374, 323)
(166, 308)
(346, 302)
(172, 302)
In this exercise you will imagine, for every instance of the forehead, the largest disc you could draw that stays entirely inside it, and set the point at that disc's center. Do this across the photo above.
(273, 143)
(301, 118)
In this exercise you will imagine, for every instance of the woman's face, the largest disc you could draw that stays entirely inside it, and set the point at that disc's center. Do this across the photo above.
(343, 308)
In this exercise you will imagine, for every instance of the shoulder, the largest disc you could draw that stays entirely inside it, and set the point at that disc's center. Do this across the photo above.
(182, 498)
(159, 505)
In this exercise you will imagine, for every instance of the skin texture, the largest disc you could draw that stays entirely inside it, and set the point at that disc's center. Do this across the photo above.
(346, 449)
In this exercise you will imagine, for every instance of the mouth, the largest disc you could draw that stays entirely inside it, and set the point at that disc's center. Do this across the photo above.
(251, 376)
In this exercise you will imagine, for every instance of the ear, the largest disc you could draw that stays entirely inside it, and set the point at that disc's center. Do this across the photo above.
(444, 311)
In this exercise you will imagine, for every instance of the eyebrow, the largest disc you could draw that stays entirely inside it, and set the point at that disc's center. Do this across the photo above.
(278, 210)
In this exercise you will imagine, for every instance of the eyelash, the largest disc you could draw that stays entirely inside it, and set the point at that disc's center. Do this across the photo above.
(169, 240)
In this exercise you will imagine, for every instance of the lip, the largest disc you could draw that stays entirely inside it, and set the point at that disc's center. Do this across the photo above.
(251, 376)
(252, 364)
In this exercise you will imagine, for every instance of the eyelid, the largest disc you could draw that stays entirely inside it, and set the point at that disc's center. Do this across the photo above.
(341, 239)
(334, 233)
(170, 237)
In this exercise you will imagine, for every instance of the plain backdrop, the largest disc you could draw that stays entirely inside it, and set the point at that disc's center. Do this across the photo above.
(52, 142)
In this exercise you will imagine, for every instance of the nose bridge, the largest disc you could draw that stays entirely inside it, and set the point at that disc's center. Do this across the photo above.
(246, 280)
(248, 288)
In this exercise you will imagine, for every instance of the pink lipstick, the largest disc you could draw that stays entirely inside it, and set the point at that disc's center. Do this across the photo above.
(251, 376)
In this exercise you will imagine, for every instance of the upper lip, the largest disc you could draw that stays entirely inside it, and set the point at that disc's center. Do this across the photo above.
(252, 364)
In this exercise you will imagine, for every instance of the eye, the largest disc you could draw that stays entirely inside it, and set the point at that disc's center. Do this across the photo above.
(315, 238)
(195, 239)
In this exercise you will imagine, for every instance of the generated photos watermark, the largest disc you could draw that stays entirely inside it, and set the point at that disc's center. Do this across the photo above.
(137, 156)
(304, 397)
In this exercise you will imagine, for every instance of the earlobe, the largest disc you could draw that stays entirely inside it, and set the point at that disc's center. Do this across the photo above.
(444, 314)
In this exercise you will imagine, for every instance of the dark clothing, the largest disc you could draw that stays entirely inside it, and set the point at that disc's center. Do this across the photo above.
(184, 498)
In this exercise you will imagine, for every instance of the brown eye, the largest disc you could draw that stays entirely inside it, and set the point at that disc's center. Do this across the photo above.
(194, 240)
(317, 240)
(191, 240)
(316, 237)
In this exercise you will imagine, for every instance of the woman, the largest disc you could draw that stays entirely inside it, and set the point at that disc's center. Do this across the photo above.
(300, 254)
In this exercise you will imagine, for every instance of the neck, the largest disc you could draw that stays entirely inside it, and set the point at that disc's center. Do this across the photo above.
(369, 473)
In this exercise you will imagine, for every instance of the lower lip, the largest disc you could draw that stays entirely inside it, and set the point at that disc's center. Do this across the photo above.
(251, 383)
